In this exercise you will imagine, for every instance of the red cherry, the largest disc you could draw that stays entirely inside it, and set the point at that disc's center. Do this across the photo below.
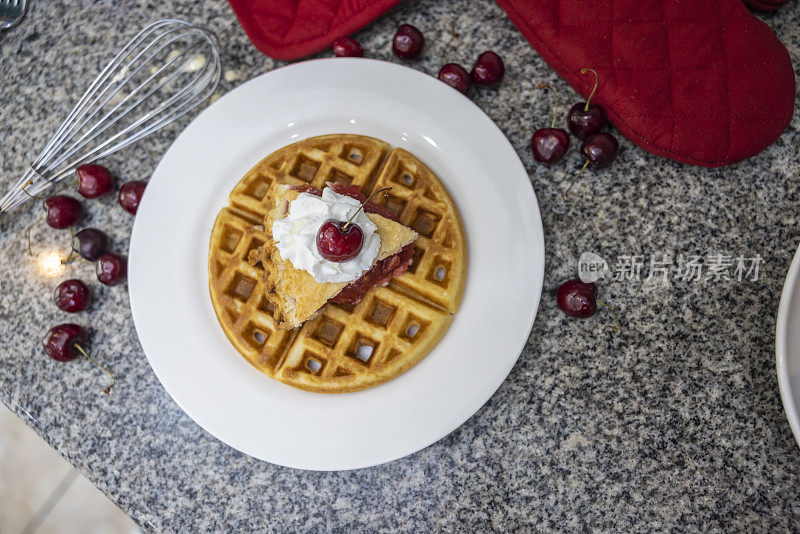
(549, 145)
(455, 76)
(407, 42)
(600, 150)
(488, 69)
(585, 119)
(62, 211)
(94, 180)
(347, 47)
(577, 299)
(72, 296)
(66, 342)
(130, 195)
(90, 243)
(112, 269)
(60, 341)
(337, 243)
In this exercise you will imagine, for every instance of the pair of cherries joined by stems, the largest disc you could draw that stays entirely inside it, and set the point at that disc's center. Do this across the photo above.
(585, 121)
(408, 43)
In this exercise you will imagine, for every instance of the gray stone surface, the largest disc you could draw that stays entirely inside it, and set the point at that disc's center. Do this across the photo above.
(674, 424)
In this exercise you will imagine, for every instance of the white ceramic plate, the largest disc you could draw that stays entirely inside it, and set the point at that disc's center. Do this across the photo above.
(168, 277)
(787, 346)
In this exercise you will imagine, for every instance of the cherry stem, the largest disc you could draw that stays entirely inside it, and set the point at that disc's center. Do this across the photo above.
(68, 259)
(619, 326)
(57, 191)
(596, 79)
(385, 189)
(28, 231)
(29, 194)
(108, 388)
(555, 96)
(453, 36)
(575, 179)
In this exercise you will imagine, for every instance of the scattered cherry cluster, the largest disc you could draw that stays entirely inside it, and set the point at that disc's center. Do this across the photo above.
(585, 121)
(408, 43)
(66, 341)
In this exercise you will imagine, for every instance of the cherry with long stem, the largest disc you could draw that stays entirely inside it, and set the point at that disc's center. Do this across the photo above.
(599, 150)
(384, 190)
(550, 144)
(107, 390)
(584, 118)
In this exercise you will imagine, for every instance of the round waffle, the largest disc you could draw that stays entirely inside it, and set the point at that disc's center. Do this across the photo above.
(344, 348)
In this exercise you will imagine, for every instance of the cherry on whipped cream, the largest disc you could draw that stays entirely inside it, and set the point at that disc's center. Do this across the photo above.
(339, 241)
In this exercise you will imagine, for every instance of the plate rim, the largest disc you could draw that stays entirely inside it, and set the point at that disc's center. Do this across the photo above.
(781, 346)
(481, 397)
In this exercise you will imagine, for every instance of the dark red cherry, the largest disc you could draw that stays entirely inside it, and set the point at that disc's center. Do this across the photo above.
(549, 145)
(112, 269)
(585, 122)
(60, 341)
(62, 211)
(488, 69)
(130, 195)
(455, 76)
(585, 119)
(347, 47)
(94, 180)
(72, 296)
(337, 243)
(407, 42)
(600, 150)
(90, 243)
(577, 299)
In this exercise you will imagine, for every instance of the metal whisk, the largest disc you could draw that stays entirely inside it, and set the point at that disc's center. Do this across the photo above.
(165, 71)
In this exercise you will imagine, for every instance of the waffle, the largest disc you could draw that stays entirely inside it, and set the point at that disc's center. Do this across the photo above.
(343, 348)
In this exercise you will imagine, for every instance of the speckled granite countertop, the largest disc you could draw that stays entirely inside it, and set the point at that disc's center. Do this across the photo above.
(676, 423)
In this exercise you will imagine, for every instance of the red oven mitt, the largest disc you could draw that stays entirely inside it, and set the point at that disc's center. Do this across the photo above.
(290, 29)
(699, 81)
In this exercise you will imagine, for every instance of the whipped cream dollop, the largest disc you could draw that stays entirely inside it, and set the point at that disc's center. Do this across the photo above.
(296, 236)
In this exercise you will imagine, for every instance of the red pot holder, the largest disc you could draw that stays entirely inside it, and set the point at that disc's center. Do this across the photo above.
(291, 29)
